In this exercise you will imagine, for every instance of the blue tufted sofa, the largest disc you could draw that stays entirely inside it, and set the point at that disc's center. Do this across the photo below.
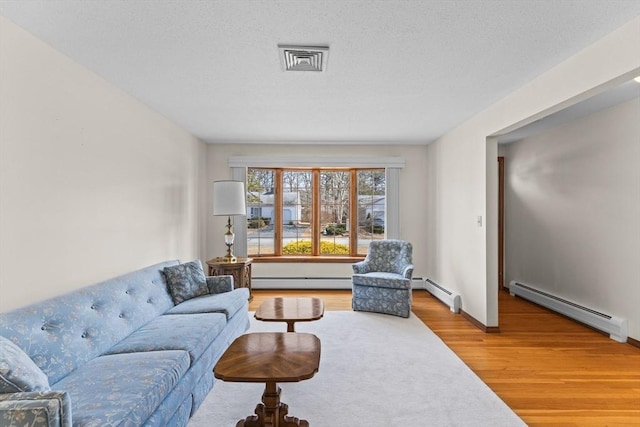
(120, 353)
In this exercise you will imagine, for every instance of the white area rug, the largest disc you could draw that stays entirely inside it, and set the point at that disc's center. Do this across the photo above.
(375, 371)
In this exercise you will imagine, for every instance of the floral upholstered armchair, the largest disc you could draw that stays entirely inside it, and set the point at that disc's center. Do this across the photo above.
(382, 281)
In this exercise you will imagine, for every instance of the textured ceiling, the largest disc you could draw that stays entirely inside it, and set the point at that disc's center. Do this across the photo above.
(398, 71)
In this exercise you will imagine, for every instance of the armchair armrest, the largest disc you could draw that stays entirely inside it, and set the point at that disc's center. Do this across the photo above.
(407, 271)
(36, 408)
(219, 284)
(361, 267)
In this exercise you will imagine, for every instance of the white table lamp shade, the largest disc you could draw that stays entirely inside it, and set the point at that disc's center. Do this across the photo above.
(229, 198)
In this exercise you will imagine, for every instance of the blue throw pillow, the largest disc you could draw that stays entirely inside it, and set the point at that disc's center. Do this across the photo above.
(186, 281)
(17, 370)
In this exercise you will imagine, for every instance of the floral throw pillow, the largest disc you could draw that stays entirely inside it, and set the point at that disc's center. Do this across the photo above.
(18, 372)
(186, 281)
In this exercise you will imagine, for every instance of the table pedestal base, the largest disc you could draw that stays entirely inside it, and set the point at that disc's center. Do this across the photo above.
(272, 412)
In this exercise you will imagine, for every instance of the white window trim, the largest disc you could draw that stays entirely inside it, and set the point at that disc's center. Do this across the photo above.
(392, 165)
(298, 161)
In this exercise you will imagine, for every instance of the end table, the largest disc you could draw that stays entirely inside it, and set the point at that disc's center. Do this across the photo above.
(240, 270)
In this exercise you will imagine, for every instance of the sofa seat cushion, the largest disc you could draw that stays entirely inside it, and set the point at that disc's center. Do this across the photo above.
(189, 332)
(122, 389)
(382, 280)
(227, 302)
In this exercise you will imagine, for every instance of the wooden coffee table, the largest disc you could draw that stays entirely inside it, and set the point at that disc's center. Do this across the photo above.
(290, 310)
(270, 357)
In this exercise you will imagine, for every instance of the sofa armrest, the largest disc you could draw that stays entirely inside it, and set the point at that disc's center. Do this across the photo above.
(219, 284)
(36, 408)
(361, 267)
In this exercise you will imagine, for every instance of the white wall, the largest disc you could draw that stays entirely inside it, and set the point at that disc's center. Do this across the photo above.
(92, 183)
(462, 166)
(413, 205)
(572, 204)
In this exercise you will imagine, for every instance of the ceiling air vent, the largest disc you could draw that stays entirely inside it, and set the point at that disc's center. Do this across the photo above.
(303, 58)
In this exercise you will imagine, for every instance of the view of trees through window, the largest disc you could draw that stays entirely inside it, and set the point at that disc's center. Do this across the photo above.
(314, 211)
(371, 205)
(334, 212)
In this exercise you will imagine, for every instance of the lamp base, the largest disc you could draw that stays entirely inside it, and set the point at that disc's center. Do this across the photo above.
(228, 240)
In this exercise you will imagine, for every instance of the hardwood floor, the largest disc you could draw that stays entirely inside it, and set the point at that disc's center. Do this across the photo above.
(549, 369)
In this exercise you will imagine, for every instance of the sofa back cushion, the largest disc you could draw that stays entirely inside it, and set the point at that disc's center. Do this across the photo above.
(64, 332)
(185, 281)
(18, 372)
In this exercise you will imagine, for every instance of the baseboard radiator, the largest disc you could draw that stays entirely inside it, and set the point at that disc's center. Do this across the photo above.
(301, 282)
(312, 283)
(444, 295)
(614, 326)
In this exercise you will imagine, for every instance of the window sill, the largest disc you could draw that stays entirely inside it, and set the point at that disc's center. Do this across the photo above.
(310, 259)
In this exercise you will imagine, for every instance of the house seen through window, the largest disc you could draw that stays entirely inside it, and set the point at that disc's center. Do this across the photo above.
(314, 212)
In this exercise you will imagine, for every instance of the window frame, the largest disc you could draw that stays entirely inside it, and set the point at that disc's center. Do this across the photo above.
(392, 165)
(315, 223)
